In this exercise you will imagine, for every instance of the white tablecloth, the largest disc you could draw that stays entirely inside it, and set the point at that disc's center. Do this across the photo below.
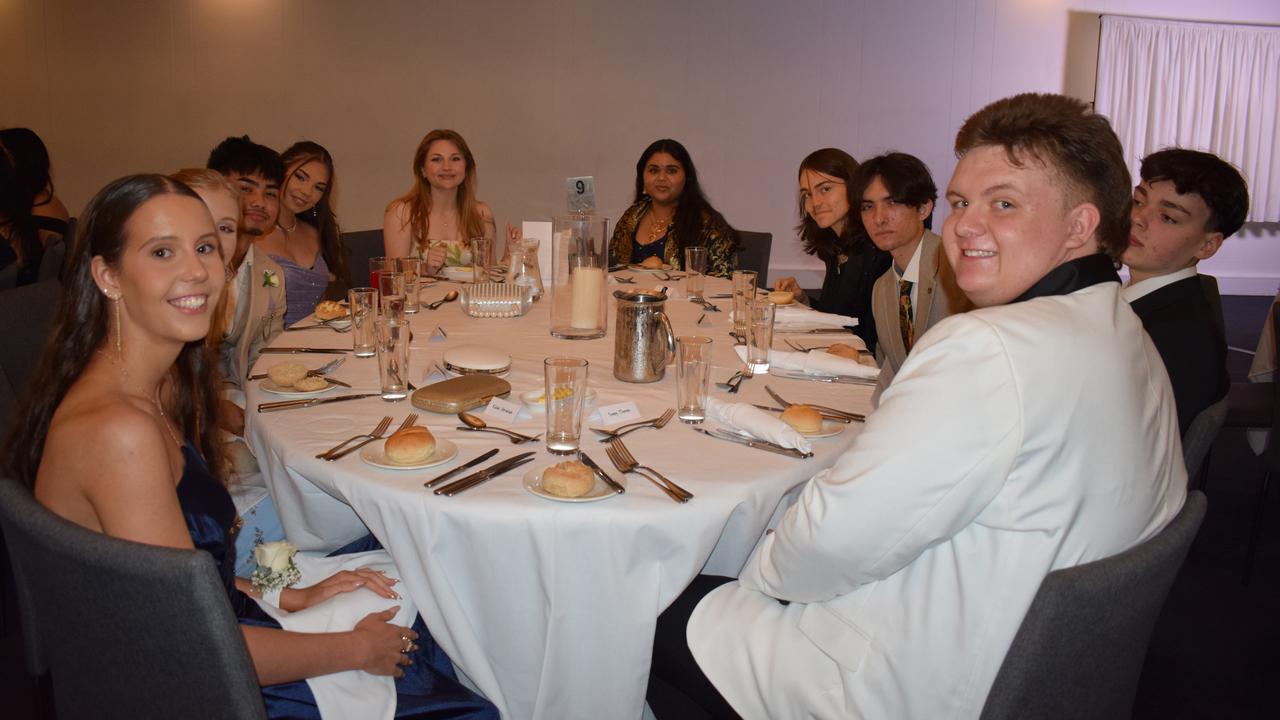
(548, 608)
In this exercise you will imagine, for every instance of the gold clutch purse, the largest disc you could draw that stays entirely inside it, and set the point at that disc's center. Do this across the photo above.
(460, 393)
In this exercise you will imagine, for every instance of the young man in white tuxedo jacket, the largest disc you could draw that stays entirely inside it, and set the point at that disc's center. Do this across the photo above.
(1033, 433)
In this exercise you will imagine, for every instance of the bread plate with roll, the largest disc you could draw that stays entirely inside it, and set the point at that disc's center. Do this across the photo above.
(569, 481)
(650, 265)
(333, 313)
(411, 448)
(809, 422)
(294, 380)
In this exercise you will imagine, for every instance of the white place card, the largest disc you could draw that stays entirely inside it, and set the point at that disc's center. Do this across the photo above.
(619, 413)
(542, 231)
(502, 412)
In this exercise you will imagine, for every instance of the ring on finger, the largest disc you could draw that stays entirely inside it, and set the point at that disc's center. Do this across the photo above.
(405, 644)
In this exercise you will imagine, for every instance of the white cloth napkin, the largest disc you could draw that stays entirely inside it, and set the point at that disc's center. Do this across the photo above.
(797, 314)
(814, 362)
(757, 422)
(352, 693)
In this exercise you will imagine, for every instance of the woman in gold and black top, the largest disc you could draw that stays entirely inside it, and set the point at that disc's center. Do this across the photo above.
(670, 213)
(829, 229)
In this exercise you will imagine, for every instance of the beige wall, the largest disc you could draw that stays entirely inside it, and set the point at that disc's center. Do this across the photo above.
(545, 90)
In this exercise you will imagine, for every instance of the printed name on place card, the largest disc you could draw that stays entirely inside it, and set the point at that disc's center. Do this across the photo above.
(501, 411)
(619, 413)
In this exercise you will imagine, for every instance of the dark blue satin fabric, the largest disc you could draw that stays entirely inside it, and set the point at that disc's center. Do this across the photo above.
(429, 690)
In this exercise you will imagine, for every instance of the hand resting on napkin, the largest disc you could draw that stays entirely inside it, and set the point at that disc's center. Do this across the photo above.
(814, 362)
(757, 422)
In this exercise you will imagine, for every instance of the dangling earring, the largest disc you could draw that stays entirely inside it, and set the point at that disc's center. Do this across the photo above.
(114, 297)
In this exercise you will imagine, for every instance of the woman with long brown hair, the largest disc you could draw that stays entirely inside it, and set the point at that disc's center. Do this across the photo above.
(440, 214)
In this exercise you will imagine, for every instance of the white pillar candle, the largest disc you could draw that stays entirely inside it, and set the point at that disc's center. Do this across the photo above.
(587, 284)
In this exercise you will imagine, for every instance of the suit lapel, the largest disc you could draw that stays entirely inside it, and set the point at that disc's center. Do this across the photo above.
(929, 249)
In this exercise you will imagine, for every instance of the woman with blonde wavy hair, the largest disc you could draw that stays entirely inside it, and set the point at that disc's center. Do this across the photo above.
(440, 214)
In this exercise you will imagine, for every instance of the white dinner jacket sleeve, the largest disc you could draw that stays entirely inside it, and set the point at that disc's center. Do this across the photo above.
(931, 458)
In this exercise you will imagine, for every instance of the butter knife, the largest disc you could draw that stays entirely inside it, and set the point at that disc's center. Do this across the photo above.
(476, 478)
(600, 473)
(291, 404)
(469, 464)
(757, 444)
(263, 376)
(836, 379)
(295, 350)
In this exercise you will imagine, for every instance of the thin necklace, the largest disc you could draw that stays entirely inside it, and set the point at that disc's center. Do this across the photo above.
(288, 230)
(164, 419)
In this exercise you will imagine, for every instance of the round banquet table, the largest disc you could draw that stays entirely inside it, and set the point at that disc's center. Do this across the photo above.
(548, 608)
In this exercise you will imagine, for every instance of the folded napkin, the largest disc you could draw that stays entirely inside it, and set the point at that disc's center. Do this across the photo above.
(798, 314)
(814, 362)
(353, 693)
(760, 424)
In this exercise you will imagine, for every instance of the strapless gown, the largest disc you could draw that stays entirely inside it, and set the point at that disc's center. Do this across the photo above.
(429, 689)
(303, 287)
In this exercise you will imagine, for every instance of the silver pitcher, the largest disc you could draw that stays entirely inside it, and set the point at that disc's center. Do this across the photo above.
(643, 343)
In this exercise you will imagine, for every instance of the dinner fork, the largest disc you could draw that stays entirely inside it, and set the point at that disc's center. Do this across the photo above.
(380, 428)
(657, 423)
(408, 421)
(343, 329)
(626, 462)
(819, 408)
(746, 374)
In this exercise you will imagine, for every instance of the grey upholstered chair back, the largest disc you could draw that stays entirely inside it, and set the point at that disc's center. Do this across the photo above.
(1201, 434)
(753, 254)
(1079, 651)
(26, 318)
(129, 630)
(361, 246)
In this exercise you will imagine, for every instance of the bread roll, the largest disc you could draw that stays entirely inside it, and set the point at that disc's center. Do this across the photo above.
(330, 310)
(410, 445)
(782, 297)
(569, 479)
(311, 383)
(804, 418)
(287, 374)
(653, 262)
(845, 351)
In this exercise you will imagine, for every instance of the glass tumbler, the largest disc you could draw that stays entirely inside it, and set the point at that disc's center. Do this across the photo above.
(391, 294)
(695, 268)
(566, 391)
(693, 376)
(411, 269)
(481, 258)
(744, 290)
(393, 357)
(363, 302)
(377, 265)
(759, 334)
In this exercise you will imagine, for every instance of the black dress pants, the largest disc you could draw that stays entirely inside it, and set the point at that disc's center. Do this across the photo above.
(678, 689)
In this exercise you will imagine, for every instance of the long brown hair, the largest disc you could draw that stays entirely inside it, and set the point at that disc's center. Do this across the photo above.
(322, 216)
(419, 196)
(81, 328)
(826, 244)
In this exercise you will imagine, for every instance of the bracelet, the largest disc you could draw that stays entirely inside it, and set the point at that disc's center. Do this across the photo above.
(272, 597)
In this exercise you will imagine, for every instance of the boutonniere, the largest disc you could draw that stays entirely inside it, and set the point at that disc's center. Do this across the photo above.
(270, 279)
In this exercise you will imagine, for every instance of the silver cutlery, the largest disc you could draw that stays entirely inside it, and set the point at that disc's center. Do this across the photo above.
(408, 422)
(746, 374)
(625, 280)
(295, 404)
(845, 330)
(710, 307)
(819, 408)
(322, 371)
(448, 297)
(825, 415)
(701, 317)
(626, 463)
(755, 443)
(836, 379)
(296, 350)
(600, 473)
(477, 424)
(377, 431)
(728, 384)
(481, 476)
(803, 348)
(469, 464)
(656, 423)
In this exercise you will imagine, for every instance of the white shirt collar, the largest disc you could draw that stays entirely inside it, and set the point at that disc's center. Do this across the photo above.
(1142, 288)
(912, 273)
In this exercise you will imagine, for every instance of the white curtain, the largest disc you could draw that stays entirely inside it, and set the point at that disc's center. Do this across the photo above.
(1203, 86)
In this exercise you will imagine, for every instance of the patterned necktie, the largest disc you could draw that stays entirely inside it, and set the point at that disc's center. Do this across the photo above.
(905, 314)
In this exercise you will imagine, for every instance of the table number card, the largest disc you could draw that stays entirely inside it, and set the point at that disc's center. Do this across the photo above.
(502, 412)
(619, 413)
(582, 194)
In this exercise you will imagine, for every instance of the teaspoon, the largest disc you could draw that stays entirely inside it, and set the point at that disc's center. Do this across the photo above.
(475, 423)
(448, 297)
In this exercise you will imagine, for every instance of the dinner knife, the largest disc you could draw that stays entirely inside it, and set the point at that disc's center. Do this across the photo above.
(825, 415)
(291, 404)
(757, 444)
(476, 478)
(469, 464)
(838, 379)
(295, 350)
(820, 408)
(263, 376)
(600, 473)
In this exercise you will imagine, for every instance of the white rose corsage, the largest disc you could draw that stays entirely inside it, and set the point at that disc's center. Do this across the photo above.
(276, 570)
(270, 279)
